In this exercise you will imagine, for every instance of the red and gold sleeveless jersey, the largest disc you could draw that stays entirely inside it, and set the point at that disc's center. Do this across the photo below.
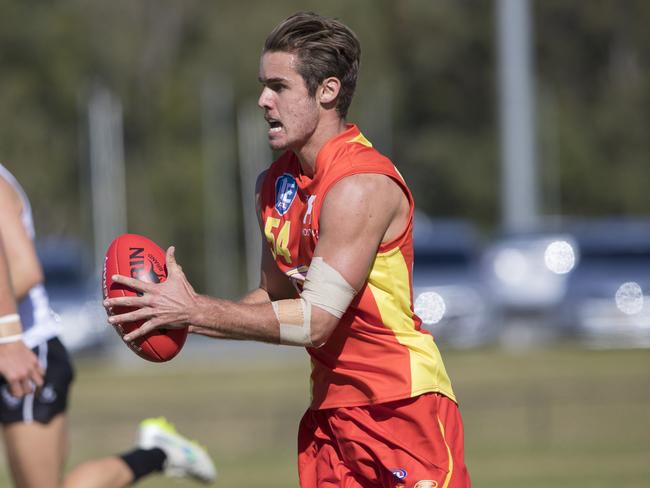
(378, 352)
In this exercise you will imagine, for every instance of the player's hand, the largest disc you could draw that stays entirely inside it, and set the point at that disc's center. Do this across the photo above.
(165, 305)
(20, 368)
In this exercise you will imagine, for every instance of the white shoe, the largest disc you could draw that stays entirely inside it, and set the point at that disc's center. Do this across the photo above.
(185, 458)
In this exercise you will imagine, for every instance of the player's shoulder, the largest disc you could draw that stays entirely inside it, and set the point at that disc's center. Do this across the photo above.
(374, 189)
(358, 159)
(9, 197)
(5, 177)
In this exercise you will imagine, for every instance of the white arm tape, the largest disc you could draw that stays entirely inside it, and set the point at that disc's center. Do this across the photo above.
(9, 318)
(295, 322)
(10, 328)
(325, 288)
(11, 338)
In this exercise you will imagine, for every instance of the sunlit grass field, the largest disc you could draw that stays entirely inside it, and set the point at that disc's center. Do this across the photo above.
(564, 417)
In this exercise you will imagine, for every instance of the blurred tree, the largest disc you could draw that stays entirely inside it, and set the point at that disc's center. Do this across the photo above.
(446, 121)
(594, 58)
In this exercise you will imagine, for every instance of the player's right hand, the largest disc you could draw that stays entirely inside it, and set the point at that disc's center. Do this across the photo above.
(20, 368)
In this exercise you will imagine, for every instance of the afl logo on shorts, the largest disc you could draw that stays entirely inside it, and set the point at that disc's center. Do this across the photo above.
(8, 399)
(48, 394)
(286, 189)
(426, 484)
(399, 474)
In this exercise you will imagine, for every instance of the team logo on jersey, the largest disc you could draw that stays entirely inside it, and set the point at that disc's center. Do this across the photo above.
(426, 484)
(400, 474)
(286, 189)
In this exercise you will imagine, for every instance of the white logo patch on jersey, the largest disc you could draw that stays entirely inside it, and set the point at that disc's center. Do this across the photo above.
(306, 220)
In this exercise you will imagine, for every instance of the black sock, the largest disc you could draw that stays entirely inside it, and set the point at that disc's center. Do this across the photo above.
(142, 462)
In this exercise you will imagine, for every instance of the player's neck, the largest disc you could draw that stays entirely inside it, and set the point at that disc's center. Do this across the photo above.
(308, 153)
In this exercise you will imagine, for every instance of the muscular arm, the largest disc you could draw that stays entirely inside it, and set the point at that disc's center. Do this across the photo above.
(25, 270)
(358, 214)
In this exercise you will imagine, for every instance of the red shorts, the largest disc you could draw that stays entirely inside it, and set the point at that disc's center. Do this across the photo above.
(411, 443)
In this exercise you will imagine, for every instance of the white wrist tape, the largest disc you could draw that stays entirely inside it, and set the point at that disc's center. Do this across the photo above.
(10, 328)
(11, 338)
(9, 318)
(324, 288)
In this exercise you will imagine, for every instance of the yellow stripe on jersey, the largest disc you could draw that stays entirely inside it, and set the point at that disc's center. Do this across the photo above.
(361, 139)
(400, 175)
(450, 468)
(389, 283)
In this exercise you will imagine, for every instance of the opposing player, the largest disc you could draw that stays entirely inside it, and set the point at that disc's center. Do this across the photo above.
(18, 364)
(37, 373)
(336, 220)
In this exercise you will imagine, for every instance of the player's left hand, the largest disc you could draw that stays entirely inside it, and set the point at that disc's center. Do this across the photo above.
(165, 305)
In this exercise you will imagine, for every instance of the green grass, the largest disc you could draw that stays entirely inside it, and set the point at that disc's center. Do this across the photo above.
(563, 418)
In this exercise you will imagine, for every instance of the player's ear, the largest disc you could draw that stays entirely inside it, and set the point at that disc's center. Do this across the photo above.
(329, 90)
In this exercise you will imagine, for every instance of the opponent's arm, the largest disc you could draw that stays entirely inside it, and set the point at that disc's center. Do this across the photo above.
(359, 212)
(18, 364)
(25, 270)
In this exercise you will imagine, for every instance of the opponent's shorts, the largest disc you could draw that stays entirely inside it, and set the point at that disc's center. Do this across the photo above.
(411, 443)
(52, 399)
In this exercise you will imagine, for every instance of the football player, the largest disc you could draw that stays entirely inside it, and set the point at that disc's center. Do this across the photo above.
(336, 223)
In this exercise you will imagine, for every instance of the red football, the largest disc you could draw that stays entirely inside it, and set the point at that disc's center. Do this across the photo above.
(136, 256)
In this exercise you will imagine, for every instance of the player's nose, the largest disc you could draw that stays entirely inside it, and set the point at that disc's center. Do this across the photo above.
(265, 99)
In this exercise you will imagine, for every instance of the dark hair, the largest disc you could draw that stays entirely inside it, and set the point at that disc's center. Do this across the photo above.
(325, 47)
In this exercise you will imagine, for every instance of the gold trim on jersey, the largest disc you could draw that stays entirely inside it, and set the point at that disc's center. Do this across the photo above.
(450, 457)
(299, 270)
(361, 139)
(389, 283)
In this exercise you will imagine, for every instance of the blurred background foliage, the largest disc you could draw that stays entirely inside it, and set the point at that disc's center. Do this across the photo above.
(427, 96)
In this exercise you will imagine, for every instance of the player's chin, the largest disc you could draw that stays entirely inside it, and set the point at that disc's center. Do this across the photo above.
(277, 145)
(278, 142)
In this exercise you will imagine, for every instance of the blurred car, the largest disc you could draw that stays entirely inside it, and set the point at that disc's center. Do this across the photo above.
(584, 278)
(74, 295)
(448, 294)
(526, 279)
(608, 293)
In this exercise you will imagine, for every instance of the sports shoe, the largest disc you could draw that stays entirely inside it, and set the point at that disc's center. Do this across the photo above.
(185, 458)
